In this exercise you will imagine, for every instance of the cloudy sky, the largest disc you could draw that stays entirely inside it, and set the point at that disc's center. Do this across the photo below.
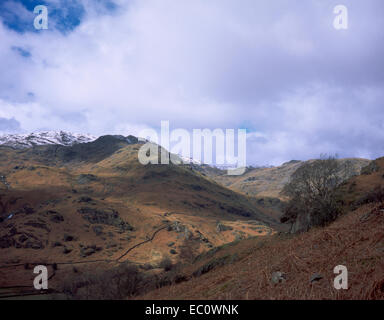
(277, 68)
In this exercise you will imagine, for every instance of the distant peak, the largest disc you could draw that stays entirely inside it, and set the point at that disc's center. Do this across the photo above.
(64, 138)
(291, 162)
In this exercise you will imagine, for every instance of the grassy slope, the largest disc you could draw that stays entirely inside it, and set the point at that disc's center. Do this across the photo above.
(268, 182)
(355, 240)
(349, 241)
(47, 179)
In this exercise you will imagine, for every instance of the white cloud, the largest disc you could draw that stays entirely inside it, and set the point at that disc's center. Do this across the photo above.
(280, 67)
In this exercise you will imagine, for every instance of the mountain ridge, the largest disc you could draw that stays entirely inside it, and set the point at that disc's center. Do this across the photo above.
(65, 138)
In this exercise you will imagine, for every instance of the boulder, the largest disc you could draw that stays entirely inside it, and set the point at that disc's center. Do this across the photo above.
(278, 277)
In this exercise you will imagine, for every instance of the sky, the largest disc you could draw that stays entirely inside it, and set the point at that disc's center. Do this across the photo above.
(277, 68)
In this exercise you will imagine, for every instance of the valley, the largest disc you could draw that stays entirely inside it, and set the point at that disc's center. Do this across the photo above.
(94, 201)
(91, 208)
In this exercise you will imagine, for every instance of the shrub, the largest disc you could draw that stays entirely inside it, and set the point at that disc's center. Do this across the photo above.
(189, 250)
(146, 266)
(166, 264)
(172, 277)
(374, 195)
(214, 263)
(371, 168)
(114, 284)
(313, 201)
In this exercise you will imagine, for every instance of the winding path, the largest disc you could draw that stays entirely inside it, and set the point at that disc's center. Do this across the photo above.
(69, 263)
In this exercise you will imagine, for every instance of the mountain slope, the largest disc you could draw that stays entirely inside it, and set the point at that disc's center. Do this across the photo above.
(249, 267)
(21, 141)
(299, 266)
(96, 201)
(268, 182)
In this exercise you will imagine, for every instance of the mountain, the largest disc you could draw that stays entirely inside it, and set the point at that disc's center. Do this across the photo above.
(95, 201)
(301, 266)
(21, 141)
(90, 206)
(268, 182)
(264, 184)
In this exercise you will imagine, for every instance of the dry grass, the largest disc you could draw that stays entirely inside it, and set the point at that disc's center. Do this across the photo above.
(268, 182)
(145, 197)
(149, 197)
(355, 240)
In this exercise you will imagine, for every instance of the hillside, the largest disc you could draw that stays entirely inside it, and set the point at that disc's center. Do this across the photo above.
(265, 184)
(89, 207)
(365, 188)
(249, 269)
(298, 266)
(268, 182)
(94, 201)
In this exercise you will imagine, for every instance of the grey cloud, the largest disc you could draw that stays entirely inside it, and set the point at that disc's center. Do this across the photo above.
(23, 52)
(303, 87)
(9, 125)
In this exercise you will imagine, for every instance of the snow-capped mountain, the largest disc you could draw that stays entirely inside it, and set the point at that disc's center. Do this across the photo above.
(21, 141)
(187, 160)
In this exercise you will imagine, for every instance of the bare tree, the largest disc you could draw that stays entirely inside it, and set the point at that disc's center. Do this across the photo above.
(313, 201)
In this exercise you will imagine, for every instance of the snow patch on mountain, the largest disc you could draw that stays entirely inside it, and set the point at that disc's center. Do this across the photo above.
(22, 141)
(188, 160)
